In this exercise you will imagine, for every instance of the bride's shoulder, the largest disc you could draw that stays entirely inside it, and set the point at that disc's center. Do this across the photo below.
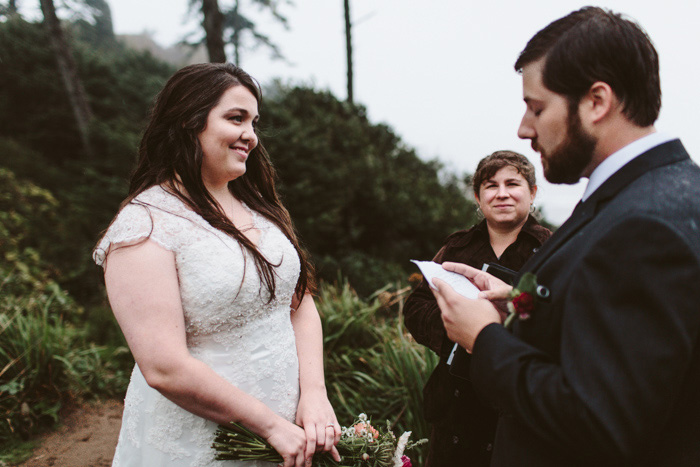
(157, 202)
(157, 196)
(154, 213)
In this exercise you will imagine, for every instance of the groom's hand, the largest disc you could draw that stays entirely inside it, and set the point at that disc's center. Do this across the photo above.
(492, 288)
(463, 318)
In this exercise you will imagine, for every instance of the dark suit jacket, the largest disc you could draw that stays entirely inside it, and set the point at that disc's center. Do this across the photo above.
(607, 370)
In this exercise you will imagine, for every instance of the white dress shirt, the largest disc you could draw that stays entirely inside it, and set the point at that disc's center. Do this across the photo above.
(618, 159)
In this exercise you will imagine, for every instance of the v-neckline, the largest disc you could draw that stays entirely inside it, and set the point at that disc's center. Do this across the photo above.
(254, 225)
(197, 219)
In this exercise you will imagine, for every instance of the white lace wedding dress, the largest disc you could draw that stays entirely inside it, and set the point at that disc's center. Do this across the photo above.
(230, 327)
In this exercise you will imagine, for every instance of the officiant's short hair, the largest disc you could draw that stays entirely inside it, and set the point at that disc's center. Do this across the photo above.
(594, 44)
(489, 165)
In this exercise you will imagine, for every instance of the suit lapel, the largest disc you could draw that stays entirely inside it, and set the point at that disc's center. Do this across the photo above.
(583, 213)
(667, 153)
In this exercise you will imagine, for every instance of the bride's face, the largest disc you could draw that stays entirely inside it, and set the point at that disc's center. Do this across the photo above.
(229, 136)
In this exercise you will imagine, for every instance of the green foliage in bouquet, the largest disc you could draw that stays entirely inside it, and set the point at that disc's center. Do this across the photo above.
(360, 445)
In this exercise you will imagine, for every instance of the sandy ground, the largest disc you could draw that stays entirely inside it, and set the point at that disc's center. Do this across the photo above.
(86, 438)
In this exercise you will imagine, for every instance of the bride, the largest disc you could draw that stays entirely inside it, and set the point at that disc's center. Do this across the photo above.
(210, 286)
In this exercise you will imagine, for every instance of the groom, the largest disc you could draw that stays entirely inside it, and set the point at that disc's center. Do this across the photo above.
(606, 369)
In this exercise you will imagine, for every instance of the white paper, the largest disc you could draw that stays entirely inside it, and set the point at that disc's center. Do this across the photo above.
(461, 284)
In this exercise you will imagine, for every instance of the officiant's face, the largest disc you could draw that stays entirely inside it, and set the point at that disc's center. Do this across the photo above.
(566, 150)
(505, 198)
(229, 136)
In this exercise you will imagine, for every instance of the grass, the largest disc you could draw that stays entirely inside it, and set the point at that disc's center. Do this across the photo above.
(46, 362)
(372, 364)
(15, 452)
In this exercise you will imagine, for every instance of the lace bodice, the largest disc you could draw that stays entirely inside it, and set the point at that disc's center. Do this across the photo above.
(231, 324)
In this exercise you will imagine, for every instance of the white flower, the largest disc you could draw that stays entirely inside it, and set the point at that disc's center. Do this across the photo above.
(362, 417)
(400, 447)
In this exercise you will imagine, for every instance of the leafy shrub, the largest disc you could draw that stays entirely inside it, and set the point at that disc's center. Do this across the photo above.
(45, 360)
(363, 201)
(34, 106)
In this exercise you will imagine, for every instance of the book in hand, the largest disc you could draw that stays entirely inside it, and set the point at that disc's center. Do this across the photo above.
(458, 282)
(500, 272)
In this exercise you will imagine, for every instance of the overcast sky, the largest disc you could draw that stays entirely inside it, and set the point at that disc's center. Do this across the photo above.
(441, 73)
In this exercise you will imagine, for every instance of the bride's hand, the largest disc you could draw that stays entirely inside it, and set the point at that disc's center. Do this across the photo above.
(316, 416)
(289, 441)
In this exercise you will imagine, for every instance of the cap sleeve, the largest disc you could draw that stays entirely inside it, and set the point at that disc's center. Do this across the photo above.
(134, 223)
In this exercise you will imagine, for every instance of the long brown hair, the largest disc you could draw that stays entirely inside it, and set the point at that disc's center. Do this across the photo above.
(170, 155)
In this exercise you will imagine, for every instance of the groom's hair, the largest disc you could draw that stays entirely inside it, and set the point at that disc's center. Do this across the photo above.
(593, 44)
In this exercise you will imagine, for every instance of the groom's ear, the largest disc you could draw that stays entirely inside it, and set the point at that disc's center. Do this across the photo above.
(597, 104)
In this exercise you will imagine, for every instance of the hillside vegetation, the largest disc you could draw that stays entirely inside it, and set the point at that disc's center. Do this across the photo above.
(363, 201)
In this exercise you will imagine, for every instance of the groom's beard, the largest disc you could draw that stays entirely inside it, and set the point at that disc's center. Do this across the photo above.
(566, 163)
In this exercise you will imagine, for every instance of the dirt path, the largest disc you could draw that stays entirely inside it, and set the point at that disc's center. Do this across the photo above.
(86, 438)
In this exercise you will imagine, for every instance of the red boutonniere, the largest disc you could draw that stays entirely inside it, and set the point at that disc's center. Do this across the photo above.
(522, 299)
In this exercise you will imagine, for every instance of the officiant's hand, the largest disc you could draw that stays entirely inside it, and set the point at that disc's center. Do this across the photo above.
(315, 415)
(463, 318)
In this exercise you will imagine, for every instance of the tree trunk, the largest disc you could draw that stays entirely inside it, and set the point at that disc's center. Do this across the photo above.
(103, 21)
(236, 36)
(69, 74)
(214, 29)
(348, 48)
(12, 7)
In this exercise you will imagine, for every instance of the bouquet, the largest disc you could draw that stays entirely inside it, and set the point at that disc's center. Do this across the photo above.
(360, 445)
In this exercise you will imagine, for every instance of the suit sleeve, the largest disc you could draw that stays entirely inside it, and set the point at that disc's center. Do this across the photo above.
(628, 331)
(422, 316)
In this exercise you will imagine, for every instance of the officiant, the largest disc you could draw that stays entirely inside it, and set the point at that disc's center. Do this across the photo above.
(463, 427)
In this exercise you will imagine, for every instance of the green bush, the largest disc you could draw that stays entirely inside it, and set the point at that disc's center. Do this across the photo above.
(45, 358)
(363, 201)
(34, 108)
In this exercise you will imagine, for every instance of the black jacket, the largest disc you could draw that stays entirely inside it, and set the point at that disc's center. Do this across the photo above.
(463, 426)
